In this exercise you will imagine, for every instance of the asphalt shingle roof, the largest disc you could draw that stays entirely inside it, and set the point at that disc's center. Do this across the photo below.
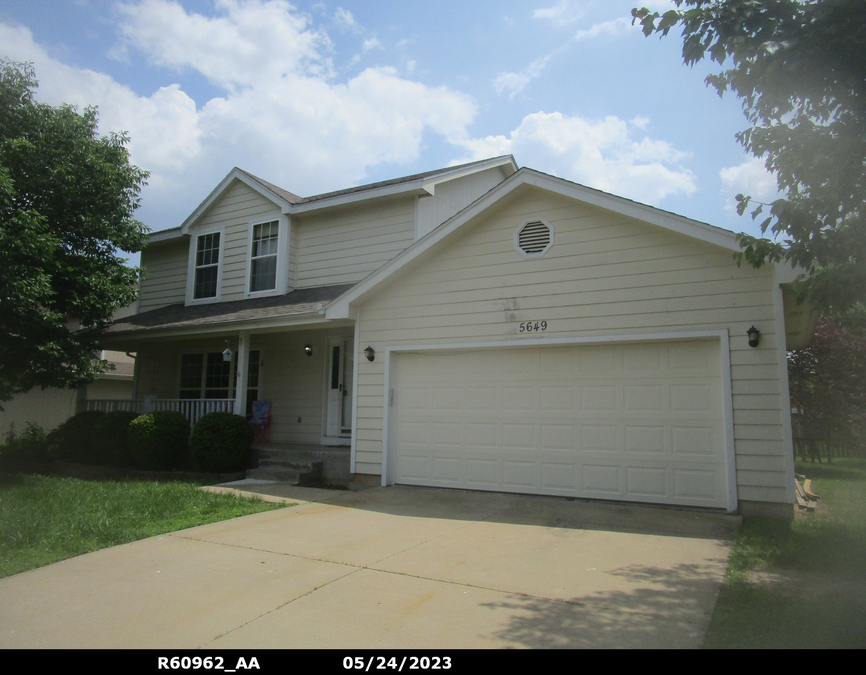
(295, 199)
(301, 301)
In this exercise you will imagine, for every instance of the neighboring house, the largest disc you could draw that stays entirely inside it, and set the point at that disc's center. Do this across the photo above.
(525, 334)
(50, 407)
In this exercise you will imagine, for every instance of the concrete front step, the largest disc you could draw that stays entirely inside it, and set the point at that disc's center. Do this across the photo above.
(302, 464)
(286, 475)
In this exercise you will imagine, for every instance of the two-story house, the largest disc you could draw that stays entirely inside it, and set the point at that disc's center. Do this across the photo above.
(479, 327)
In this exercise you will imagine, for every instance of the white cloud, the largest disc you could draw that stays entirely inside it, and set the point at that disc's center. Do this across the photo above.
(344, 19)
(609, 28)
(750, 178)
(251, 43)
(514, 83)
(564, 13)
(163, 126)
(281, 113)
(372, 43)
(606, 154)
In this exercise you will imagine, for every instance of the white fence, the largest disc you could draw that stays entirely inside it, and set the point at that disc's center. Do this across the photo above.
(192, 409)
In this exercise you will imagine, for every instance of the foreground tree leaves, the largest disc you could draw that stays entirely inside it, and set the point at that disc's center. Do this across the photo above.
(67, 199)
(799, 67)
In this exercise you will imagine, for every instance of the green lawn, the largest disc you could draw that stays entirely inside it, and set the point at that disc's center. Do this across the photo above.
(803, 585)
(46, 519)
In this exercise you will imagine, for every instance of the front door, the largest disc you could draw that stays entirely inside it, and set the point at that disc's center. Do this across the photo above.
(341, 368)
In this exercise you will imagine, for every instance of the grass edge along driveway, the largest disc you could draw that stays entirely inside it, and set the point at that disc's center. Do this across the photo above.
(47, 519)
(801, 585)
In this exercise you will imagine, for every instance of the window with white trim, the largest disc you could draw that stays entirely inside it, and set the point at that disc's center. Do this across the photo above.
(209, 376)
(263, 257)
(207, 259)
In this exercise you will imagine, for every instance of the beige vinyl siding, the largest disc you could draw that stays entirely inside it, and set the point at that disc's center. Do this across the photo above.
(606, 275)
(165, 271)
(234, 210)
(452, 196)
(345, 245)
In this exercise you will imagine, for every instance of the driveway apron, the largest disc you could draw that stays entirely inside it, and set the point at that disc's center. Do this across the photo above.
(392, 567)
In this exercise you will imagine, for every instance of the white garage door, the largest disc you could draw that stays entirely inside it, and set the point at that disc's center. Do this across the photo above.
(636, 422)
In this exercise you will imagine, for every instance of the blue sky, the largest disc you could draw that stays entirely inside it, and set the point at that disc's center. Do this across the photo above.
(317, 96)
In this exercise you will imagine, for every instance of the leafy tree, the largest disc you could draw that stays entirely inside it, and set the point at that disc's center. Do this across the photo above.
(799, 67)
(67, 198)
(828, 378)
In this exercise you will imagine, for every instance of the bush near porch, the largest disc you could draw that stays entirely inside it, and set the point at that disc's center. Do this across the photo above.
(158, 441)
(221, 442)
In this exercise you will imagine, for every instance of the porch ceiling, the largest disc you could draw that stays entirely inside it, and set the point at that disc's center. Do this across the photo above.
(238, 315)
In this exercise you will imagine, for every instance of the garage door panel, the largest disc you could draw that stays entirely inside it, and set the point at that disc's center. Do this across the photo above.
(645, 439)
(601, 479)
(627, 422)
(599, 398)
(700, 441)
(558, 436)
(642, 481)
(647, 397)
(697, 484)
(558, 476)
(606, 360)
(693, 398)
(518, 474)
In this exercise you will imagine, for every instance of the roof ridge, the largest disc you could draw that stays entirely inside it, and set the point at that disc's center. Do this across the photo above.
(290, 197)
(400, 179)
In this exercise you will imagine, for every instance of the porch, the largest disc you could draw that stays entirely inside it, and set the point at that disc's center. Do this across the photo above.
(192, 409)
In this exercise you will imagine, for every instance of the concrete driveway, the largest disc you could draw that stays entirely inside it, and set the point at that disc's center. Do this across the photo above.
(393, 567)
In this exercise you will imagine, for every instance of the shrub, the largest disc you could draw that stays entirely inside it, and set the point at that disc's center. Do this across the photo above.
(30, 446)
(73, 440)
(110, 438)
(159, 440)
(221, 442)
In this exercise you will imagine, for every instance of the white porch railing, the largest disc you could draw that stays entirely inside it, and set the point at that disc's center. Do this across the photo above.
(192, 409)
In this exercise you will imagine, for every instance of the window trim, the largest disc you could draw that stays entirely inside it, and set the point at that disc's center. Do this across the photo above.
(282, 276)
(191, 266)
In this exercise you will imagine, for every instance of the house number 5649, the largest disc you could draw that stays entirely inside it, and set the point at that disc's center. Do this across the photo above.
(532, 326)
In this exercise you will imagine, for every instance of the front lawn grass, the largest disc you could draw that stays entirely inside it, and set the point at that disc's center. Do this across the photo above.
(46, 519)
(801, 585)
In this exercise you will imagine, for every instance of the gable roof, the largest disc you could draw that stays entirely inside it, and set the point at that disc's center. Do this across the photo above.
(340, 307)
(292, 203)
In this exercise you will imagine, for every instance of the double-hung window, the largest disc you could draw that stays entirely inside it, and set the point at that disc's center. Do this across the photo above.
(207, 259)
(205, 376)
(209, 376)
(263, 257)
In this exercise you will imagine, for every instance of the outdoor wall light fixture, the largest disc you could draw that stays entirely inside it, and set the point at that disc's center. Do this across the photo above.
(754, 336)
(308, 350)
(227, 355)
(370, 353)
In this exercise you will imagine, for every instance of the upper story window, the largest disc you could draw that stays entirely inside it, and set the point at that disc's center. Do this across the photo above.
(207, 258)
(263, 257)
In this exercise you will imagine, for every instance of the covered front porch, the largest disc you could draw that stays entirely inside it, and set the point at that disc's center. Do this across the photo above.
(223, 357)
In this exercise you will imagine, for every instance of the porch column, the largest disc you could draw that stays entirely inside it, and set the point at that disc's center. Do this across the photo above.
(241, 373)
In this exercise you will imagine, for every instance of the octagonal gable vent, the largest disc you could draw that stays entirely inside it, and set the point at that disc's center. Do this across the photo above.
(534, 239)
